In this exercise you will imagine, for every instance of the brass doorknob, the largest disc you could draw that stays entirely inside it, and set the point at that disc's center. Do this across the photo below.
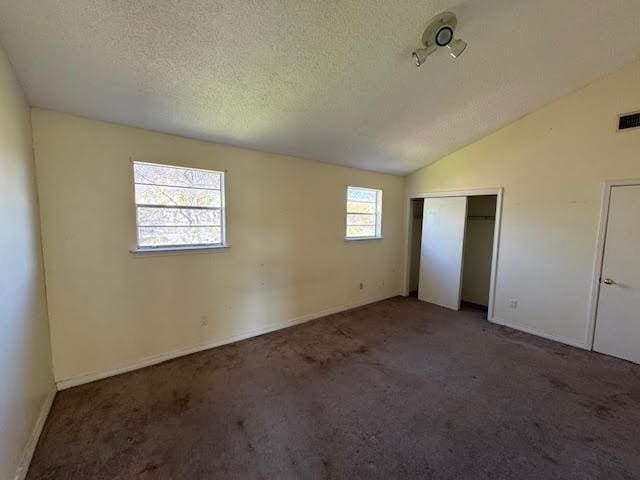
(608, 281)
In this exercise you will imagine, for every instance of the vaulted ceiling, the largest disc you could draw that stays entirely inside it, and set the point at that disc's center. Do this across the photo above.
(328, 80)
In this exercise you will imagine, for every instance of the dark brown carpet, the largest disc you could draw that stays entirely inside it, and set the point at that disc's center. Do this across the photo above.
(398, 389)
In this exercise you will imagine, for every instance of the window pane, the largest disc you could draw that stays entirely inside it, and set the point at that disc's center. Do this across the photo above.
(363, 212)
(164, 236)
(179, 177)
(361, 231)
(170, 196)
(361, 195)
(360, 207)
(359, 219)
(151, 216)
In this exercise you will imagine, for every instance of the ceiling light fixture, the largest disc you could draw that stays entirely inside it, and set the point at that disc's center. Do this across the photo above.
(439, 33)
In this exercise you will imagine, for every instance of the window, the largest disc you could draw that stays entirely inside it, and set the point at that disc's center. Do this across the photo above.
(364, 213)
(178, 207)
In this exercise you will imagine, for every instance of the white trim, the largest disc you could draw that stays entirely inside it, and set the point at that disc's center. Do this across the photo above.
(357, 239)
(155, 359)
(176, 250)
(531, 331)
(30, 447)
(498, 191)
(599, 256)
(472, 192)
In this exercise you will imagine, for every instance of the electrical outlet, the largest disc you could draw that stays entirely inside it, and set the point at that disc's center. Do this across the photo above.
(204, 321)
(513, 303)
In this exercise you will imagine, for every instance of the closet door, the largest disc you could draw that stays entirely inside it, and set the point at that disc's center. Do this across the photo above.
(618, 321)
(443, 226)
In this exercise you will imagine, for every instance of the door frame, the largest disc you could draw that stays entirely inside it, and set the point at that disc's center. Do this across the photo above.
(599, 255)
(498, 191)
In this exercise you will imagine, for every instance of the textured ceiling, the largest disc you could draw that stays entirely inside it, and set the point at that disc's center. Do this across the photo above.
(328, 80)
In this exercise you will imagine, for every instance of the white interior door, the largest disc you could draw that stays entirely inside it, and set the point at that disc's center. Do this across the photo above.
(443, 225)
(618, 320)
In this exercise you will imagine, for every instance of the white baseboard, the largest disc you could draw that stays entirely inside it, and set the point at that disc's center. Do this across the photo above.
(555, 338)
(155, 359)
(30, 447)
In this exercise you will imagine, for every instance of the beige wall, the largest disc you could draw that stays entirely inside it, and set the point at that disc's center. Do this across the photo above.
(551, 164)
(288, 258)
(25, 359)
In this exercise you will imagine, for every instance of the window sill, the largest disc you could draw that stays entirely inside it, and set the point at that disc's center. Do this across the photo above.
(176, 250)
(358, 239)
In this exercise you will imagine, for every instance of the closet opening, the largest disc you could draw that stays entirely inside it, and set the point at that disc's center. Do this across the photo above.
(452, 248)
(478, 252)
(417, 205)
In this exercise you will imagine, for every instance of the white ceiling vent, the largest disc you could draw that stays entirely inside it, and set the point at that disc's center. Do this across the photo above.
(628, 120)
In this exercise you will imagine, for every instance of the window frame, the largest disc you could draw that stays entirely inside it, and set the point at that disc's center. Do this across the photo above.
(181, 248)
(378, 214)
